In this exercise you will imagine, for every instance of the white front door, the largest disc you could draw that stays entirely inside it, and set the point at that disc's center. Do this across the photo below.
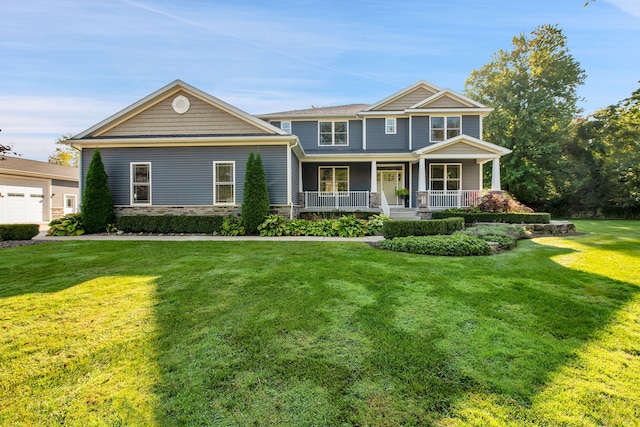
(389, 181)
(69, 204)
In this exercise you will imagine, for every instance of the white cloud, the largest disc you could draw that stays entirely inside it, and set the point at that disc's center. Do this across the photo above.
(632, 7)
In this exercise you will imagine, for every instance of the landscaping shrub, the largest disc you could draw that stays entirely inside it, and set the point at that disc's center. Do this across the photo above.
(170, 224)
(68, 225)
(393, 229)
(335, 214)
(505, 235)
(255, 203)
(18, 231)
(510, 217)
(97, 203)
(441, 245)
(232, 226)
(345, 226)
(502, 202)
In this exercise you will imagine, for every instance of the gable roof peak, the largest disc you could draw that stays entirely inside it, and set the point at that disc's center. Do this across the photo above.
(420, 84)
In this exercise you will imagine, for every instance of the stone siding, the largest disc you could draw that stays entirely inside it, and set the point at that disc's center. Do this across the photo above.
(177, 210)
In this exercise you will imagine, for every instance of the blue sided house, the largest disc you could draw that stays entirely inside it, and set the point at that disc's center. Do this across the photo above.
(181, 151)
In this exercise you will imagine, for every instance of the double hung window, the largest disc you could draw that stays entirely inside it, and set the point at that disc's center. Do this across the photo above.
(445, 127)
(140, 183)
(446, 177)
(333, 133)
(333, 179)
(390, 126)
(224, 183)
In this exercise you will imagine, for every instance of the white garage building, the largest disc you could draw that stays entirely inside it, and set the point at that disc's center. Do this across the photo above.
(36, 192)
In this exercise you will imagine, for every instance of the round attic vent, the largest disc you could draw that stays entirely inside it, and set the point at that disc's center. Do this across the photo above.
(180, 104)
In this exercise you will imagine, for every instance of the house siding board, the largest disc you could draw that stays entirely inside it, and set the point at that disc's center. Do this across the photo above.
(461, 148)
(378, 140)
(471, 126)
(445, 102)
(201, 118)
(419, 132)
(407, 100)
(307, 133)
(183, 176)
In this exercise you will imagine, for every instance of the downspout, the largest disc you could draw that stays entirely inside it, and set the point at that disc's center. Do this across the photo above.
(296, 143)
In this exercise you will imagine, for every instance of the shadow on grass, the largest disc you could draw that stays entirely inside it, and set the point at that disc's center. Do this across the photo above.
(263, 333)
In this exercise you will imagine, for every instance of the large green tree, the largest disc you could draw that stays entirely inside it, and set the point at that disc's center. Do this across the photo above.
(255, 202)
(97, 203)
(533, 90)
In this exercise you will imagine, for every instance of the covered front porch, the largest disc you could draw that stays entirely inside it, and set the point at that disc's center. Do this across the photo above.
(438, 177)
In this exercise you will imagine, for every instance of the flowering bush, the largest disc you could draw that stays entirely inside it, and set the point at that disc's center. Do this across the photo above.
(502, 202)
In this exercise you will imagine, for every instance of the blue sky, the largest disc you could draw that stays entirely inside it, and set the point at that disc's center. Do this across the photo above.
(66, 65)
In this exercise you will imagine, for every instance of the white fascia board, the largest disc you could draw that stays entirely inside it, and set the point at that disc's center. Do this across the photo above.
(450, 111)
(387, 113)
(460, 156)
(37, 175)
(421, 83)
(448, 92)
(361, 157)
(493, 149)
(162, 94)
(186, 141)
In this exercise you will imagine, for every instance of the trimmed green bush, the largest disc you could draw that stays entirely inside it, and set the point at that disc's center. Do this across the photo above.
(345, 226)
(170, 224)
(18, 231)
(255, 202)
(97, 203)
(509, 218)
(393, 229)
(68, 225)
(441, 245)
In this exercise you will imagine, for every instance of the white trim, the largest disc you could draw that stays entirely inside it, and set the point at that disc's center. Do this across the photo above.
(215, 163)
(348, 168)
(333, 133)
(282, 122)
(364, 134)
(470, 103)
(410, 133)
(394, 126)
(131, 184)
(289, 180)
(494, 149)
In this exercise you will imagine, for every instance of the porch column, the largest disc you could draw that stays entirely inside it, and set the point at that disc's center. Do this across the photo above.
(495, 175)
(422, 176)
(374, 177)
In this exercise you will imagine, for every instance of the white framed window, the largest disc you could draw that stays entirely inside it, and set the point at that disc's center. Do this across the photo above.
(445, 176)
(445, 127)
(286, 126)
(390, 126)
(224, 183)
(333, 179)
(140, 183)
(333, 133)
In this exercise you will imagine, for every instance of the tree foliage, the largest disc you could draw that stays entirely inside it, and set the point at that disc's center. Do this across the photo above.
(533, 90)
(255, 204)
(97, 203)
(64, 154)
(6, 149)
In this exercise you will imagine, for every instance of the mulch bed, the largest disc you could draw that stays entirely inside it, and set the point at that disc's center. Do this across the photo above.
(16, 243)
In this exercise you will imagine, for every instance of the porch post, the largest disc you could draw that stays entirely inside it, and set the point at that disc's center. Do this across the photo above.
(495, 175)
(422, 176)
(374, 177)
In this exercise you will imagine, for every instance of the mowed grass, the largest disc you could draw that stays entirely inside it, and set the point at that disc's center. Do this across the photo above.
(300, 333)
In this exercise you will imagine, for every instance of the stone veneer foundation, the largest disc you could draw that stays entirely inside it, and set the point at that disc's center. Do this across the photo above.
(284, 211)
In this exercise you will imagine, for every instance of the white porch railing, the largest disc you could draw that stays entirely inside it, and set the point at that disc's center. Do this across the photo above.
(342, 200)
(384, 205)
(439, 199)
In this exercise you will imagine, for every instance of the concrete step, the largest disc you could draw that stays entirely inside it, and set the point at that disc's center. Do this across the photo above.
(405, 214)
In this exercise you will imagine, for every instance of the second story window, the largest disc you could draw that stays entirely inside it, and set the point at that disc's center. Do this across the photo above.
(444, 127)
(333, 133)
(286, 126)
(390, 126)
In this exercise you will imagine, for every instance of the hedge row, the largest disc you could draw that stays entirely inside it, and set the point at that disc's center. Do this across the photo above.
(170, 224)
(508, 217)
(18, 231)
(455, 245)
(393, 229)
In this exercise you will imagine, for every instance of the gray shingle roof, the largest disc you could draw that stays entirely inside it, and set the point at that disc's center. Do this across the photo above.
(36, 168)
(339, 110)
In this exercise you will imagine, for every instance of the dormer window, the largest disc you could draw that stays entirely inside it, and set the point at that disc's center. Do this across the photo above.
(445, 127)
(333, 133)
(390, 126)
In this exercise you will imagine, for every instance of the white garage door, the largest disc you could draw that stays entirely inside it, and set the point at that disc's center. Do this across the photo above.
(21, 204)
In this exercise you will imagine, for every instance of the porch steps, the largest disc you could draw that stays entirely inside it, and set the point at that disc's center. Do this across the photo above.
(404, 214)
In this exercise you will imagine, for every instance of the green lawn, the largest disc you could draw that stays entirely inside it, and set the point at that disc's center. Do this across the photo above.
(300, 333)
